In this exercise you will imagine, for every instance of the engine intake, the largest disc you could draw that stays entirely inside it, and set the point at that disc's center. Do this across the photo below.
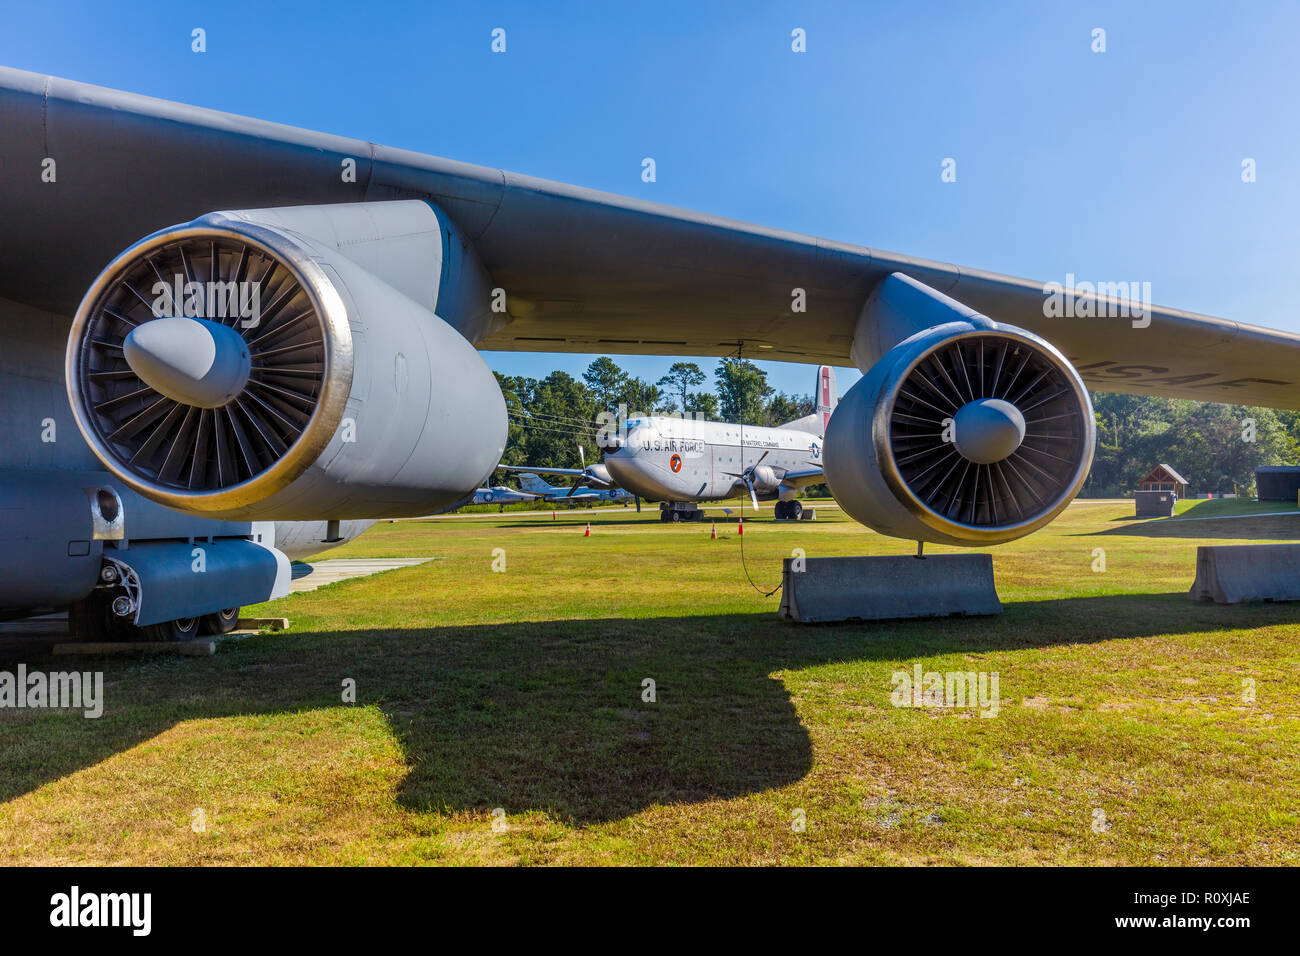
(241, 367)
(962, 434)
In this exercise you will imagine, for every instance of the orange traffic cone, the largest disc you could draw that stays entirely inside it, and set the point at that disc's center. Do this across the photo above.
(587, 533)
(552, 515)
(714, 533)
(740, 525)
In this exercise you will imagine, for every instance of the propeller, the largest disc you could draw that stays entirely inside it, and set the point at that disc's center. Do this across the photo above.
(587, 479)
(581, 479)
(747, 476)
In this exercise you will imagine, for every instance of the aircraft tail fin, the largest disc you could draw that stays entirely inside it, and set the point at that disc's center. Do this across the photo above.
(827, 398)
(533, 484)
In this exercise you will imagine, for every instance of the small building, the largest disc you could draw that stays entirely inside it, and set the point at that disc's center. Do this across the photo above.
(1164, 478)
(1277, 482)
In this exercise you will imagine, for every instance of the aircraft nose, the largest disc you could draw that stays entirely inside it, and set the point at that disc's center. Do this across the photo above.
(194, 361)
(987, 430)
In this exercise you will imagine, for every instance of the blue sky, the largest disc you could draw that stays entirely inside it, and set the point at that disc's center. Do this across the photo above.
(1123, 165)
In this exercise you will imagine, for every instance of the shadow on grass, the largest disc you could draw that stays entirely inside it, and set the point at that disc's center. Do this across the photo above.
(578, 521)
(549, 716)
(1274, 528)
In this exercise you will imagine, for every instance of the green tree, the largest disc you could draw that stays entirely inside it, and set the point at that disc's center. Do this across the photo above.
(705, 404)
(681, 378)
(558, 416)
(787, 408)
(605, 379)
(639, 396)
(515, 390)
(1215, 447)
(742, 391)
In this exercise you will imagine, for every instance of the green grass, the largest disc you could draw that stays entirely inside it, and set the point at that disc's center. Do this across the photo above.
(1229, 507)
(522, 690)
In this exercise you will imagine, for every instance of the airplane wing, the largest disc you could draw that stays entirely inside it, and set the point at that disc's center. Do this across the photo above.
(584, 271)
(811, 476)
(576, 472)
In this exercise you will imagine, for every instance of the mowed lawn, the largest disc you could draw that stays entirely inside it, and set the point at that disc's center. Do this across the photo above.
(501, 715)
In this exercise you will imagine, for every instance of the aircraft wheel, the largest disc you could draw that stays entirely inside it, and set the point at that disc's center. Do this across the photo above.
(781, 510)
(674, 516)
(221, 622)
(794, 510)
(181, 629)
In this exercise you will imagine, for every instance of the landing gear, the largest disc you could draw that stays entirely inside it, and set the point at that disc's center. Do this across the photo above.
(182, 629)
(220, 622)
(92, 621)
(107, 613)
(787, 511)
(673, 513)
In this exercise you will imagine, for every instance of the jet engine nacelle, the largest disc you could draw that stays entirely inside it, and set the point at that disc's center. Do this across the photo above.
(286, 364)
(968, 433)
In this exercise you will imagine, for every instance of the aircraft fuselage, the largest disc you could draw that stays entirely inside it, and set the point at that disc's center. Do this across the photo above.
(676, 459)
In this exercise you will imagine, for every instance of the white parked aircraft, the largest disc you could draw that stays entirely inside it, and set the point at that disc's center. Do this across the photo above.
(681, 462)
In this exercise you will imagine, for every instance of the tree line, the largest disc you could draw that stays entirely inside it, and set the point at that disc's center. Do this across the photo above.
(550, 417)
(1215, 447)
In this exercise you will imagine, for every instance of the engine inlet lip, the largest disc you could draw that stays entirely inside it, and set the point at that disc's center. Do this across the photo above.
(977, 535)
(336, 384)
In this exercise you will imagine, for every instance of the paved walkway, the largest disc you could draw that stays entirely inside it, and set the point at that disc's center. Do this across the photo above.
(308, 576)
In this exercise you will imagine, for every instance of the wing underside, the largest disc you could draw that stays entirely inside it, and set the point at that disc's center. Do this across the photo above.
(584, 271)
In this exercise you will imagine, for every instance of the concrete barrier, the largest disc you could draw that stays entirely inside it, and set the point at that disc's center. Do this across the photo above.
(1234, 573)
(884, 587)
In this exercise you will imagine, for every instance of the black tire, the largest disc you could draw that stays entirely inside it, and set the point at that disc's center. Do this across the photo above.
(182, 629)
(220, 622)
(90, 619)
(781, 510)
(674, 516)
(794, 510)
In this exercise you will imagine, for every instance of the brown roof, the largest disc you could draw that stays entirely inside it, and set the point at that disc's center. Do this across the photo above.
(1152, 475)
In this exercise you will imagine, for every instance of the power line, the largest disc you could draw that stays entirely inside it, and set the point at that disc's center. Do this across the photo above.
(740, 347)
